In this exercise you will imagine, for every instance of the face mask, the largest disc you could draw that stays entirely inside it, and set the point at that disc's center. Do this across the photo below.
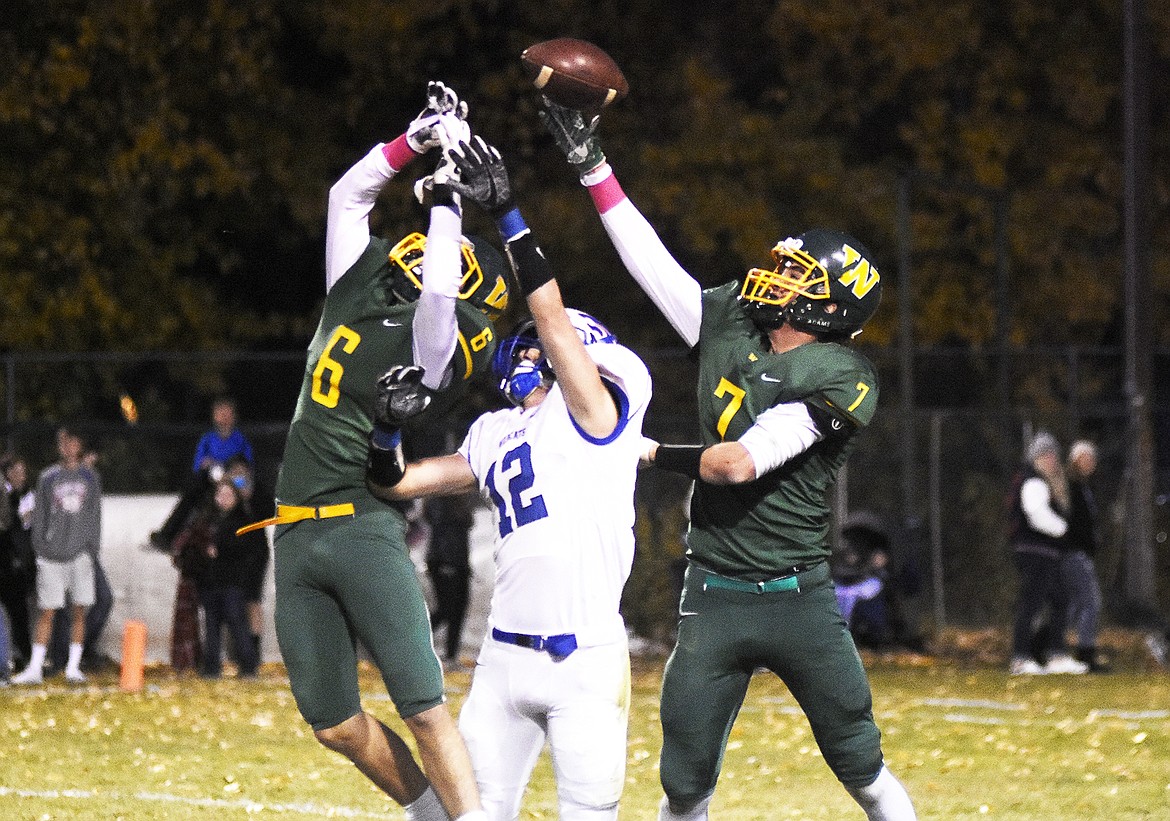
(525, 378)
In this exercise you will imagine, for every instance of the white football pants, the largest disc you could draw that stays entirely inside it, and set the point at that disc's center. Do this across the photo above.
(521, 698)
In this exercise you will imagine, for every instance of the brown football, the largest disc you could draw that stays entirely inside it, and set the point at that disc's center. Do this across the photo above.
(574, 73)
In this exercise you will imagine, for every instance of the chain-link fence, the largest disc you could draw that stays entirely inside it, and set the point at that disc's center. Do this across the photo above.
(937, 475)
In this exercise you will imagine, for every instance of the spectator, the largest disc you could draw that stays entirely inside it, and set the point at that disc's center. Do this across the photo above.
(873, 588)
(17, 562)
(1038, 521)
(214, 450)
(449, 565)
(255, 501)
(92, 660)
(859, 570)
(66, 533)
(217, 446)
(219, 559)
(1078, 567)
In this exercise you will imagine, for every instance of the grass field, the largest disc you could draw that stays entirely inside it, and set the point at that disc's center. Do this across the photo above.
(967, 740)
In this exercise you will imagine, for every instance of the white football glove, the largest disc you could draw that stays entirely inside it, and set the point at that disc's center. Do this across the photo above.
(449, 130)
(423, 132)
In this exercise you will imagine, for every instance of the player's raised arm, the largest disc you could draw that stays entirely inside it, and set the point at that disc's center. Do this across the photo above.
(484, 180)
(435, 328)
(669, 286)
(347, 231)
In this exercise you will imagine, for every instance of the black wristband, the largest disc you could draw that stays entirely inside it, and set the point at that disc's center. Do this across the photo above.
(528, 262)
(443, 194)
(684, 459)
(385, 466)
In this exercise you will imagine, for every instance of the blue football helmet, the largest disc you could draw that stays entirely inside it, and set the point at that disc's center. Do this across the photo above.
(521, 374)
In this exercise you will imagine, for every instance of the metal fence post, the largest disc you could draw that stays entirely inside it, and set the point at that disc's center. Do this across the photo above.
(935, 504)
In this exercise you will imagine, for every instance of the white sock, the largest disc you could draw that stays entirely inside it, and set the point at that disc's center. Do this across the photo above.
(474, 815)
(37, 659)
(885, 799)
(74, 663)
(695, 813)
(426, 807)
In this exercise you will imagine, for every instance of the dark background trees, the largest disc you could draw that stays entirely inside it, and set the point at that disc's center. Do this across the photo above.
(165, 164)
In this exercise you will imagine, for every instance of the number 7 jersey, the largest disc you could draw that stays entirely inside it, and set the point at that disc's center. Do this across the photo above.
(782, 518)
(564, 506)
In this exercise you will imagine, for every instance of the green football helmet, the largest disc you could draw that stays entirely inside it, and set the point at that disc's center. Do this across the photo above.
(823, 284)
(484, 283)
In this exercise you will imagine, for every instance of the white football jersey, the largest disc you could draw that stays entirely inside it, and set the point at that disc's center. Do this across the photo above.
(564, 506)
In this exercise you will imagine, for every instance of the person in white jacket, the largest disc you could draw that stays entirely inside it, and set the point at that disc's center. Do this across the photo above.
(1038, 522)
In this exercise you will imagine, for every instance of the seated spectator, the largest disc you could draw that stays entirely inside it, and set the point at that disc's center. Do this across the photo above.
(873, 589)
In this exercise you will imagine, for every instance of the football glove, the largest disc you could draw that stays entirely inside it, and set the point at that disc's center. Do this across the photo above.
(450, 131)
(482, 177)
(573, 136)
(424, 131)
(400, 396)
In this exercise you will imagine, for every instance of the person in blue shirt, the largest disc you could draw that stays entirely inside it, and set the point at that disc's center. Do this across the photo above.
(214, 450)
(223, 441)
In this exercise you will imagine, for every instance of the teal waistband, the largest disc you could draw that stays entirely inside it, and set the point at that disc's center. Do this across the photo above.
(789, 581)
(770, 586)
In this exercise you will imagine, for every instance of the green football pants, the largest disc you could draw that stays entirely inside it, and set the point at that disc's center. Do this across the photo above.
(343, 581)
(723, 637)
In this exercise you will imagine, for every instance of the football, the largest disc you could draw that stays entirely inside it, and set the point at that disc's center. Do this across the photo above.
(575, 74)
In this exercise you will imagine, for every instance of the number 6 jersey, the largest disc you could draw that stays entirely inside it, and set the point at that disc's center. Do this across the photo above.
(564, 511)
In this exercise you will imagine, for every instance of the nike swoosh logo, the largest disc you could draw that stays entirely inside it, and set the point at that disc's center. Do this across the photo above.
(390, 324)
(688, 614)
(767, 378)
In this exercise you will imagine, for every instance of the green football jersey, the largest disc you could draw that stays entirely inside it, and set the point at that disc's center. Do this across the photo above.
(362, 334)
(781, 519)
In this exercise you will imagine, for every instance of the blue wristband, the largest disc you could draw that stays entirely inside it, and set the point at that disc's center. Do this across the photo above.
(511, 224)
(385, 438)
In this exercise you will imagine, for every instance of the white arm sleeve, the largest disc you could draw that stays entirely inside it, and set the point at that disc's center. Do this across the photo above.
(672, 289)
(1035, 499)
(347, 227)
(779, 433)
(435, 330)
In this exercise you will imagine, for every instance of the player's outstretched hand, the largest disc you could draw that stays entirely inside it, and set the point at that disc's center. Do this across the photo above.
(573, 136)
(400, 396)
(482, 178)
(428, 130)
